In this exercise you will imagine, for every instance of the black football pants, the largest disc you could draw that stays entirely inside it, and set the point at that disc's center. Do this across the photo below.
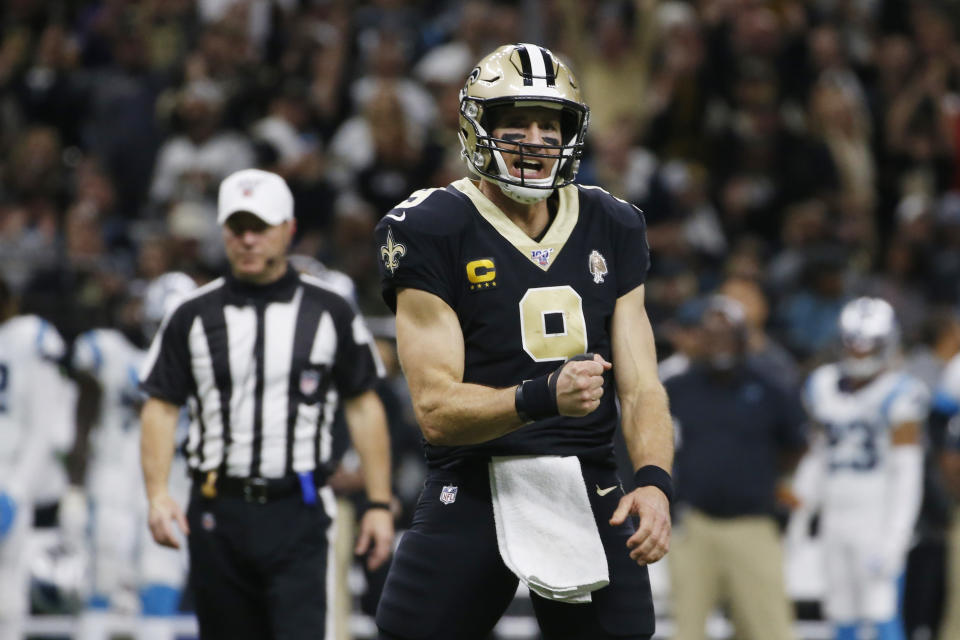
(258, 571)
(448, 582)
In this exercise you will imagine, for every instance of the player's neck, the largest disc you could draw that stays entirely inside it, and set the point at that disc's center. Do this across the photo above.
(532, 219)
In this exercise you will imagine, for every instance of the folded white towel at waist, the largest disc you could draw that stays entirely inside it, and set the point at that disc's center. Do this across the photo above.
(545, 527)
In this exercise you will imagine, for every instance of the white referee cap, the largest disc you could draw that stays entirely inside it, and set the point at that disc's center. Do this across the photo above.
(264, 194)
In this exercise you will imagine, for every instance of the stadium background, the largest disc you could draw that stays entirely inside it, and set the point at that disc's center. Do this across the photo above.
(798, 153)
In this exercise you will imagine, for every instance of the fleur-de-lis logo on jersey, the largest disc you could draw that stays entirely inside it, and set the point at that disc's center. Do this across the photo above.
(598, 266)
(392, 252)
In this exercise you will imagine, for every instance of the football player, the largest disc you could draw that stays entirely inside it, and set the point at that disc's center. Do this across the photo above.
(36, 421)
(868, 469)
(519, 300)
(130, 573)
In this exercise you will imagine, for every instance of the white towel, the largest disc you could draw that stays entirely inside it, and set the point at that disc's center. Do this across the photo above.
(545, 528)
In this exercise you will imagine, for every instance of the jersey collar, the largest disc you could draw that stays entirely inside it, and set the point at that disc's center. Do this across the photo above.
(281, 290)
(544, 253)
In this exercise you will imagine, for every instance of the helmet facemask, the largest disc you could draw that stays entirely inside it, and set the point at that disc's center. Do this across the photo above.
(490, 152)
(863, 367)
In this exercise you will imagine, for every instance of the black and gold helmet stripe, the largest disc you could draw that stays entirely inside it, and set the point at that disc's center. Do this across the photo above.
(551, 75)
(526, 67)
(536, 64)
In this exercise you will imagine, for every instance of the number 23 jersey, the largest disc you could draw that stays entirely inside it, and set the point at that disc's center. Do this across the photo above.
(858, 425)
(524, 306)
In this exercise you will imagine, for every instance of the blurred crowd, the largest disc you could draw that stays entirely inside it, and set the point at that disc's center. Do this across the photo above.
(803, 147)
(792, 154)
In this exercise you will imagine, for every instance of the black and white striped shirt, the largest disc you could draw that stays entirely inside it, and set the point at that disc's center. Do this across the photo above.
(261, 369)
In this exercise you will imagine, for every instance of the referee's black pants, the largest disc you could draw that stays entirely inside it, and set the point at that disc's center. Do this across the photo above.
(259, 571)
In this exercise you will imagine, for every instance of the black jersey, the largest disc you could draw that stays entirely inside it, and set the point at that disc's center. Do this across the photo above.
(524, 306)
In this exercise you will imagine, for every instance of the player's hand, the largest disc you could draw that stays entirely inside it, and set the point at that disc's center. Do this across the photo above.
(785, 496)
(580, 386)
(651, 541)
(376, 537)
(164, 511)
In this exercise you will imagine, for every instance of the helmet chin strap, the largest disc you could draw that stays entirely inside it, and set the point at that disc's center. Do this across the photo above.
(524, 195)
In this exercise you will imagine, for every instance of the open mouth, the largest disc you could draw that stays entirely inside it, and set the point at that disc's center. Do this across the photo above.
(528, 169)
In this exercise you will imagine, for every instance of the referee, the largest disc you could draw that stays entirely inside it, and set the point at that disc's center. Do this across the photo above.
(261, 357)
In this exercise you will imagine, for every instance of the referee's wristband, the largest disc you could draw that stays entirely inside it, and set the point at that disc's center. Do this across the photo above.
(654, 476)
(376, 504)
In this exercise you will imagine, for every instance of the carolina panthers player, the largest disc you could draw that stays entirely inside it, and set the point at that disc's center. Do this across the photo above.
(130, 573)
(519, 301)
(36, 410)
(870, 458)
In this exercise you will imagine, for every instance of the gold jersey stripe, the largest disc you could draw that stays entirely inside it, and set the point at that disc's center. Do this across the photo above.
(568, 212)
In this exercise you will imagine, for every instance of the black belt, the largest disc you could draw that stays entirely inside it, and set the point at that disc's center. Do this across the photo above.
(259, 490)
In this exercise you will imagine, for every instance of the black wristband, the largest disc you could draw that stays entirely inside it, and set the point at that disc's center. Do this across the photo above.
(535, 399)
(376, 504)
(654, 476)
(520, 405)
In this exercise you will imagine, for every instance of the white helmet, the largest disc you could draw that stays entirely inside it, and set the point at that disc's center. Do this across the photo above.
(340, 282)
(162, 294)
(522, 75)
(59, 577)
(870, 335)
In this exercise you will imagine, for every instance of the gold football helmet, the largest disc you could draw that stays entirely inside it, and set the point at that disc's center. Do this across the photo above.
(519, 75)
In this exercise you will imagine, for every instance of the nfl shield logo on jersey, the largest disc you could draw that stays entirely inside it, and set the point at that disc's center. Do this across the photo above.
(309, 381)
(448, 495)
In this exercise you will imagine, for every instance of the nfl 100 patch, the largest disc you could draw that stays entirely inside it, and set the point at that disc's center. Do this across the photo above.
(449, 494)
(541, 256)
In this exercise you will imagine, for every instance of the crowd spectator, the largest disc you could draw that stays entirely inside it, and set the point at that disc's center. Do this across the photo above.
(799, 125)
